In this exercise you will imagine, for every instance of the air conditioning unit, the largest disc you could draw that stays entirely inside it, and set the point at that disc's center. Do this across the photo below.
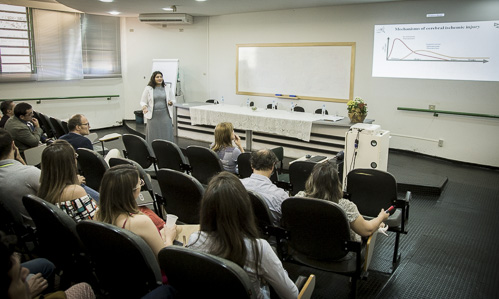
(166, 18)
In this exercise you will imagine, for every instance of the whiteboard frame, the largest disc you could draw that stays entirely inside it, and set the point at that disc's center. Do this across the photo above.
(352, 45)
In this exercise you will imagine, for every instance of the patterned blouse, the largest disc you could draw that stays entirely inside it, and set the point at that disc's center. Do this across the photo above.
(79, 209)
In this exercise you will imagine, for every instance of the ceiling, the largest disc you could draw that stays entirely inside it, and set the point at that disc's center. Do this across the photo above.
(132, 8)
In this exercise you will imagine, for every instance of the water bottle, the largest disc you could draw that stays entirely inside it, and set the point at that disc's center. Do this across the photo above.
(223, 100)
(273, 104)
(292, 107)
(247, 103)
(323, 110)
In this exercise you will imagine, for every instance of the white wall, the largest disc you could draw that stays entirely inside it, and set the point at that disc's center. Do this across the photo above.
(468, 139)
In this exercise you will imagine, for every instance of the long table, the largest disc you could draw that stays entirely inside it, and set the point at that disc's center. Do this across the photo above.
(300, 133)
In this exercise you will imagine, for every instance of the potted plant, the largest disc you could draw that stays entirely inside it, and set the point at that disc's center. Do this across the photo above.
(357, 110)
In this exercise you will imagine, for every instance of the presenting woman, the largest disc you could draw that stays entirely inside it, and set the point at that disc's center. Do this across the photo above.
(157, 107)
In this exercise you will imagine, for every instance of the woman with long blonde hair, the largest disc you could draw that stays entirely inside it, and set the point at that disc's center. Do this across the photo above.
(227, 152)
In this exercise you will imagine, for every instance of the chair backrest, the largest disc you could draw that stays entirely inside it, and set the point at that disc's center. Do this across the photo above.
(262, 213)
(319, 111)
(317, 229)
(244, 165)
(56, 231)
(65, 126)
(269, 106)
(279, 152)
(46, 125)
(299, 171)
(33, 156)
(212, 101)
(125, 265)
(13, 223)
(371, 190)
(182, 194)
(298, 109)
(57, 125)
(138, 150)
(169, 155)
(92, 166)
(204, 162)
(194, 274)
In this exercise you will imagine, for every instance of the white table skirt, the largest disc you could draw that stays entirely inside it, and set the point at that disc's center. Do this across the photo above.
(279, 122)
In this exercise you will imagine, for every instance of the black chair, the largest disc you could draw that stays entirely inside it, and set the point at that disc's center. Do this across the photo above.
(269, 106)
(125, 265)
(372, 190)
(194, 274)
(212, 101)
(299, 171)
(147, 190)
(57, 125)
(298, 109)
(244, 165)
(204, 163)
(169, 155)
(137, 149)
(318, 236)
(92, 166)
(319, 111)
(46, 125)
(65, 126)
(16, 222)
(58, 240)
(182, 194)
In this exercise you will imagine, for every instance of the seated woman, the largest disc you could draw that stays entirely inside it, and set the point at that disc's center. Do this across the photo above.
(59, 182)
(228, 230)
(324, 183)
(119, 189)
(224, 134)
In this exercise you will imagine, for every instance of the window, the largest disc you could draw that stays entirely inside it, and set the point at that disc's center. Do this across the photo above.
(15, 40)
(37, 44)
(101, 46)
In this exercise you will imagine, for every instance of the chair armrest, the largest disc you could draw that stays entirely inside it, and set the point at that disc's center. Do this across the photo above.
(404, 205)
(109, 137)
(284, 185)
(305, 286)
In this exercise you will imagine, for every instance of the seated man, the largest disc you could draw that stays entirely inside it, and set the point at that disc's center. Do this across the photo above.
(263, 165)
(16, 178)
(78, 126)
(7, 108)
(24, 129)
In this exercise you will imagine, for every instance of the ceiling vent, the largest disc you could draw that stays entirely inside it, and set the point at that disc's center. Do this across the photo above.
(166, 18)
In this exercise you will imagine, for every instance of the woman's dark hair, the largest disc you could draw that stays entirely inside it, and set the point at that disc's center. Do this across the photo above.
(58, 170)
(227, 217)
(152, 81)
(324, 182)
(116, 193)
(7, 244)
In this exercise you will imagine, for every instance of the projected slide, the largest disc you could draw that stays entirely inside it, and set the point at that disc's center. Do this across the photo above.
(453, 51)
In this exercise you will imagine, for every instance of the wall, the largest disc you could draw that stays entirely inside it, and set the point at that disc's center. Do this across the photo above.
(466, 139)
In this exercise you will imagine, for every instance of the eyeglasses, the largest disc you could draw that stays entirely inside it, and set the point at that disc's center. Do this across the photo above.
(87, 124)
(142, 183)
(30, 113)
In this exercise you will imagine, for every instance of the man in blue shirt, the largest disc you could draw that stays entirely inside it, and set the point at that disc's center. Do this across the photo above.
(78, 126)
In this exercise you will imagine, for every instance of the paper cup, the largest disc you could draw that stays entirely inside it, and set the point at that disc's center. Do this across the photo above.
(171, 220)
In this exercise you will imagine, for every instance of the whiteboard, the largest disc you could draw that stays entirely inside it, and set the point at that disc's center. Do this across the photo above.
(313, 71)
(169, 68)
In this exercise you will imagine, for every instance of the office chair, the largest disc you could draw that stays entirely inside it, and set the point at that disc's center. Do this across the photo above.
(298, 109)
(138, 150)
(212, 101)
(181, 194)
(372, 190)
(319, 111)
(169, 155)
(269, 106)
(318, 236)
(125, 265)
(244, 165)
(92, 166)
(194, 274)
(58, 240)
(46, 125)
(204, 163)
(299, 171)
(57, 125)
